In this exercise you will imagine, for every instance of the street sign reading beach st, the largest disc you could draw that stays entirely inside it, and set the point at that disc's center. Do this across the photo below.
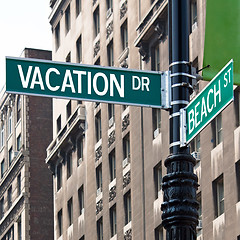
(209, 103)
(83, 82)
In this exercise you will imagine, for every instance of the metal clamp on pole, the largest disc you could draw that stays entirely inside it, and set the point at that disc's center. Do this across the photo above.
(183, 127)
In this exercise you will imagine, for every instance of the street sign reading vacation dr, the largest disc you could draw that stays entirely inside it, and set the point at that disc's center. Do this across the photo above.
(82, 82)
(210, 102)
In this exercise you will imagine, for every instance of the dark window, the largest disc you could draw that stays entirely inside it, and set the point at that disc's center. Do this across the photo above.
(218, 194)
(2, 136)
(69, 164)
(113, 220)
(69, 109)
(126, 147)
(19, 185)
(59, 123)
(79, 49)
(217, 130)
(156, 58)
(59, 176)
(237, 166)
(57, 36)
(97, 61)
(19, 228)
(127, 207)
(98, 127)
(68, 58)
(9, 197)
(1, 208)
(67, 19)
(19, 142)
(10, 123)
(110, 54)
(81, 200)
(124, 35)
(10, 156)
(78, 7)
(157, 179)
(80, 150)
(156, 121)
(19, 107)
(99, 178)
(193, 14)
(96, 22)
(111, 115)
(237, 105)
(112, 165)
(60, 222)
(100, 229)
(70, 211)
(2, 168)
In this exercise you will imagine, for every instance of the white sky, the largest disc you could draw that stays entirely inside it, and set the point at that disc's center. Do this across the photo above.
(23, 24)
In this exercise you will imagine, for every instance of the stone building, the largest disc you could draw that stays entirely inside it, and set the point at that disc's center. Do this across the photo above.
(108, 160)
(26, 202)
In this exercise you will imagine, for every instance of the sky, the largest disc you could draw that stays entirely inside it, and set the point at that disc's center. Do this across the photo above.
(23, 24)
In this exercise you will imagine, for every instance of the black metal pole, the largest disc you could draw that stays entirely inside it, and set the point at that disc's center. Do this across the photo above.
(180, 215)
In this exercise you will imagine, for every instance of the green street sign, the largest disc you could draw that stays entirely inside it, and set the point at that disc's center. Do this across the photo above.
(208, 104)
(83, 82)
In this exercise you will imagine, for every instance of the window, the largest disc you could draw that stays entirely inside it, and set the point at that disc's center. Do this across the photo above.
(19, 185)
(68, 58)
(59, 216)
(218, 191)
(217, 130)
(112, 165)
(193, 14)
(70, 211)
(10, 156)
(59, 176)
(195, 144)
(19, 228)
(67, 19)
(100, 229)
(97, 61)
(69, 109)
(159, 233)
(237, 105)
(2, 136)
(110, 115)
(126, 147)
(59, 123)
(109, 4)
(79, 49)
(96, 22)
(10, 123)
(78, 7)
(113, 220)
(199, 199)
(19, 107)
(81, 200)
(2, 208)
(82, 238)
(98, 127)
(124, 35)
(156, 121)
(19, 142)
(9, 197)
(127, 207)
(156, 58)
(99, 179)
(2, 168)
(57, 36)
(237, 167)
(157, 178)
(110, 54)
(69, 164)
(80, 150)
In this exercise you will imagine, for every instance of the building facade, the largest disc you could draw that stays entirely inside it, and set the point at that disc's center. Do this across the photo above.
(26, 206)
(108, 160)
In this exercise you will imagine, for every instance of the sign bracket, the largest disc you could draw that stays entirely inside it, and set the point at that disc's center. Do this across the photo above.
(166, 89)
(183, 127)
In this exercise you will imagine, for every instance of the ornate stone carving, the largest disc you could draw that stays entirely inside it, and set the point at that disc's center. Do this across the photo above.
(98, 153)
(123, 9)
(143, 50)
(124, 63)
(160, 30)
(128, 234)
(125, 122)
(111, 138)
(109, 29)
(126, 179)
(99, 206)
(112, 193)
(96, 48)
